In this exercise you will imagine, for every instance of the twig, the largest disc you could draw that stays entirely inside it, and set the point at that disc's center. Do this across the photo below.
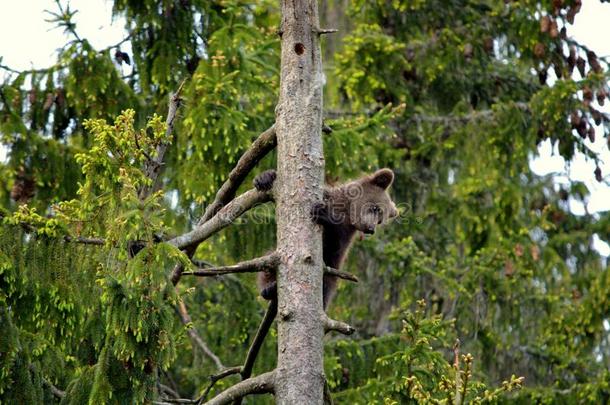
(216, 377)
(83, 240)
(186, 319)
(56, 391)
(458, 378)
(341, 327)
(323, 31)
(168, 390)
(328, 399)
(264, 263)
(261, 384)
(341, 274)
(28, 228)
(152, 167)
(169, 401)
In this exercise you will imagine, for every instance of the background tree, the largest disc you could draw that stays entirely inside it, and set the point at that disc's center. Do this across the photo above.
(493, 249)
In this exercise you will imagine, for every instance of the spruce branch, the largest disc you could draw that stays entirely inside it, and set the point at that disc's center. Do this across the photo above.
(152, 167)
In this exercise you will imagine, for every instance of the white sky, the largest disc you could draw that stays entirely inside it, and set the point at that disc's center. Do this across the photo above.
(28, 41)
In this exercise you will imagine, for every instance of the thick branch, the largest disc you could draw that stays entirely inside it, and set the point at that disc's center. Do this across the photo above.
(186, 319)
(152, 168)
(264, 144)
(341, 327)
(261, 384)
(222, 219)
(264, 263)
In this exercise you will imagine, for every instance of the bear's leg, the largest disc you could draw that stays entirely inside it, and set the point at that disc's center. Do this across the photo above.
(270, 292)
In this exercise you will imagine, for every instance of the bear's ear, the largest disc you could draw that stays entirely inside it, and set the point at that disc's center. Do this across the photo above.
(383, 178)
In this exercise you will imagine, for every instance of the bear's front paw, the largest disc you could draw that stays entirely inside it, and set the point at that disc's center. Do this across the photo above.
(264, 181)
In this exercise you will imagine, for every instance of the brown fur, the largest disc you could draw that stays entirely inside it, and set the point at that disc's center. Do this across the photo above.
(359, 205)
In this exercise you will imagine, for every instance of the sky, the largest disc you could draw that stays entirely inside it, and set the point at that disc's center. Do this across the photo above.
(35, 43)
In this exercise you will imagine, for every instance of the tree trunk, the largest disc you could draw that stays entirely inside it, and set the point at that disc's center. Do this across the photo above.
(300, 373)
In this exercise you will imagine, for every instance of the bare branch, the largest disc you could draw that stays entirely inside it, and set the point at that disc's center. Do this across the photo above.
(222, 219)
(170, 401)
(83, 240)
(264, 144)
(216, 377)
(323, 31)
(261, 384)
(341, 327)
(56, 391)
(164, 388)
(328, 399)
(152, 167)
(195, 338)
(341, 274)
(264, 263)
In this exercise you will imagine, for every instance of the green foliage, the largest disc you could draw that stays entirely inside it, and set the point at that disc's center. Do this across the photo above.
(413, 368)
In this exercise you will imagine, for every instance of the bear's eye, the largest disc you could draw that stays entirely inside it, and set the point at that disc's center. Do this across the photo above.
(375, 209)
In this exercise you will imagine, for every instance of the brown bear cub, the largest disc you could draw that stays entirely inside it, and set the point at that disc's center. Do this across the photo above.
(359, 205)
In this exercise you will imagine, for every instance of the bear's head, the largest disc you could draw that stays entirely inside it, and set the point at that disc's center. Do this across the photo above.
(369, 201)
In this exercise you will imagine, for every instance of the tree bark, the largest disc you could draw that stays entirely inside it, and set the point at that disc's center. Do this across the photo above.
(300, 375)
